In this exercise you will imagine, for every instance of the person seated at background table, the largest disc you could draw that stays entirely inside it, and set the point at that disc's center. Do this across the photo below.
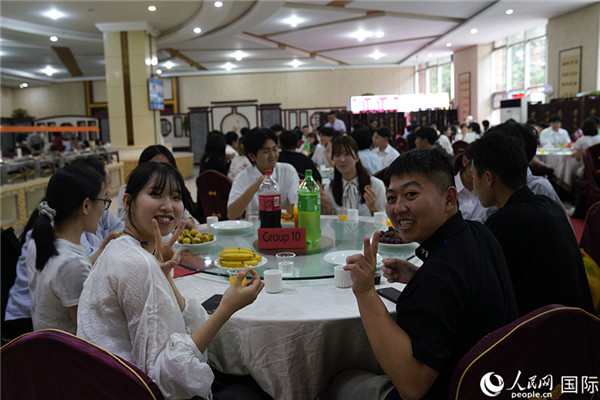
(232, 139)
(159, 153)
(322, 152)
(444, 139)
(18, 308)
(277, 129)
(288, 142)
(426, 138)
(541, 250)
(334, 123)
(57, 264)
(472, 133)
(461, 293)
(382, 147)
(313, 142)
(130, 304)
(468, 202)
(554, 135)
(260, 145)
(214, 156)
(364, 140)
(239, 163)
(590, 137)
(57, 143)
(352, 186)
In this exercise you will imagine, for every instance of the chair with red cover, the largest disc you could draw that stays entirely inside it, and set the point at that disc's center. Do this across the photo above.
(381, 175)
(401, 145)
(459, 146)
(213, 192)
(52, 364)
(553, 340)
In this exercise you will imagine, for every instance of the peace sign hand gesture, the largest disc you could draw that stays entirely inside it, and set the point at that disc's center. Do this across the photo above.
(166, 255)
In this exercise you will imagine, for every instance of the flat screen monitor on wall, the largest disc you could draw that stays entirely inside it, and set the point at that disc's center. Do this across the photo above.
(156, 94)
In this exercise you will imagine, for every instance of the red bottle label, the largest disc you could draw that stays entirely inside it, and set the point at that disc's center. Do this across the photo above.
(269, 202)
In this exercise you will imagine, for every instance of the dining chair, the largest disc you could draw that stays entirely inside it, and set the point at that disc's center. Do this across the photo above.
(539, 349)
(51, 364)
(459, 146)
(381, 175)
(401, 144)
(213, 191)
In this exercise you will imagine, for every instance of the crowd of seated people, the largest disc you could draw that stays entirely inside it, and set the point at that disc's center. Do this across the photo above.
(494, 240)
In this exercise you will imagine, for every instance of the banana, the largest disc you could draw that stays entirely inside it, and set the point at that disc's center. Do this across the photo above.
(238, 250)
(252, 263)
(231, 264)
(236, 256)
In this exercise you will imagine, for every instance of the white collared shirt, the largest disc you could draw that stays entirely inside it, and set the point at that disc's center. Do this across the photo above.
(549, 137)
(285, 175)
(386, 156)
(468, 202)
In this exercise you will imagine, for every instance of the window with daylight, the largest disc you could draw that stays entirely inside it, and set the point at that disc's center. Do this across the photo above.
(519, 65)
(435, 77)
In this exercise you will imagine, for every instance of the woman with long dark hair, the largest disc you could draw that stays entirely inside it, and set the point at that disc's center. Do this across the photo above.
(57, 263)
(214, 154)
(352, 185)
(130, 304)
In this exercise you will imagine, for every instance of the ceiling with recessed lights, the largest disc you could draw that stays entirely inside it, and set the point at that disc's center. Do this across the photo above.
(43, 42)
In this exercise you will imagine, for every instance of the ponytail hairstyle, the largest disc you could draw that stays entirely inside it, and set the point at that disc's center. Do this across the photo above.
(346, 144)
(149, 153)
(163, 177)
(66, 191)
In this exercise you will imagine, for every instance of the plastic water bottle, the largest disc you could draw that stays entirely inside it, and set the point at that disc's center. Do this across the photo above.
(309, 208)
(269, 202)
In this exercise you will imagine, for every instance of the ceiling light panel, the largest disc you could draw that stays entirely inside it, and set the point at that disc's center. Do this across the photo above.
(54, 14)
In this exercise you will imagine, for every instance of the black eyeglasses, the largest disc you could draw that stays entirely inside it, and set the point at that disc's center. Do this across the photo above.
(107, 202)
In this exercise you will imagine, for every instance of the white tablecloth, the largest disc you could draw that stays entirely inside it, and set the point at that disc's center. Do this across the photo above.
(562, 161)
(294, 342)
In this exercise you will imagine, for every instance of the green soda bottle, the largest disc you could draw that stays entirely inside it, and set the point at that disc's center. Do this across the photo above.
(309, 209)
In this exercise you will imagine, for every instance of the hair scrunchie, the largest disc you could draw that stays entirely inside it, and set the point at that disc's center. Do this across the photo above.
(45, 209)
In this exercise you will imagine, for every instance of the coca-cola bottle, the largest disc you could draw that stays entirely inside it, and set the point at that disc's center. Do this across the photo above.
(269, 202)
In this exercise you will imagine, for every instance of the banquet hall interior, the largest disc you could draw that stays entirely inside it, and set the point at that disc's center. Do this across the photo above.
(105, 80)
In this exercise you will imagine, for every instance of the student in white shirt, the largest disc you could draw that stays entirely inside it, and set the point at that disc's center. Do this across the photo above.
(261, 149)
(468, 202)
(554, 135)
(590, 137)
(322, 153)
(352, 186)
(336, 124)
(57, 264)
(130, 304)
(231, 149)
(382, 147)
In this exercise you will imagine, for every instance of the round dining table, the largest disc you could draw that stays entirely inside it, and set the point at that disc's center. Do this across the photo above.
(294, 342)
(562, 161)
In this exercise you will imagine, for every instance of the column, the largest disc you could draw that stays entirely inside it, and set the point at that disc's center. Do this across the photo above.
(130, 57)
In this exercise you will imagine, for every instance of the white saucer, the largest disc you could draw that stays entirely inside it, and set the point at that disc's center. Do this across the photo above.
(339, 257)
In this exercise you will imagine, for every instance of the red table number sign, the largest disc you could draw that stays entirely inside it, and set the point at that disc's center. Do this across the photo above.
(282, 238)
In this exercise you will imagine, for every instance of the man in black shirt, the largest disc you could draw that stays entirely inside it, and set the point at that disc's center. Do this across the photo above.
(541, 250)
(288, 142)
(461, 292)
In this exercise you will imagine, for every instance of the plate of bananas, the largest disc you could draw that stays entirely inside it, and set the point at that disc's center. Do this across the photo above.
(238, 258)
(194, 241)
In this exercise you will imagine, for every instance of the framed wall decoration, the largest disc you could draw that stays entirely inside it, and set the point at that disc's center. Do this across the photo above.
(569, 75)
(464, 96)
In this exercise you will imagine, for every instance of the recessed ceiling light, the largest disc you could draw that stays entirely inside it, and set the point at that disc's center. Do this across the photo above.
(293, 21)
(54, 14)
(239, 55)
(509, 11)
(474, 31)
(159, 71)
(218, 4)
(379, 34)
(197, 29)
(228, 66)
(49, 70)
(169, 65)
(361, 35)
(23, 85)
(295, 63)
(151, 8)
(448, 44)
(53, 39)
(376, 55)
